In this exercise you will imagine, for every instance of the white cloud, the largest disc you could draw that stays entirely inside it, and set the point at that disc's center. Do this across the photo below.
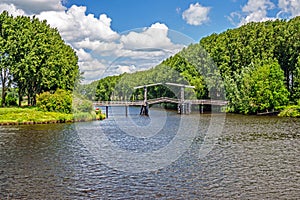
(196, 14)
(256, 11)
(125, 68)
(156, 37)
(75, 25)
(105, 48)
(35, 6)
(259, 11)
(254, 6)
(290, 8)
(12, 9)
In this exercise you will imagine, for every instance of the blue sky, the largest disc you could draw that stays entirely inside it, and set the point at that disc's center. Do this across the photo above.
(130, 14)
(115, 36)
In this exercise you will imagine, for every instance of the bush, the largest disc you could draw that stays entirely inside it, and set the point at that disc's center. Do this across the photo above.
(82, 105)
(60, 101)
(290, 111)
(10, 100)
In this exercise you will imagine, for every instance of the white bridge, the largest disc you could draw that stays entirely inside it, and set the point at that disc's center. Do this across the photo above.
(184, 105)
(161, 100)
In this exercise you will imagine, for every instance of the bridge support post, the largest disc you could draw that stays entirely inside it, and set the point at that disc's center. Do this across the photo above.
(201, 108)
(126, 111)
(106, 111)
(145, 109)
(189, 108)
(184, 108)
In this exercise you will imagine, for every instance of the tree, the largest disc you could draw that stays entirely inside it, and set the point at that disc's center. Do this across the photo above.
(263, 88)
(34, 57)
(5, 56)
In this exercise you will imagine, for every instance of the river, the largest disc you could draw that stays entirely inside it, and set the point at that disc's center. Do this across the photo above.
(252, 158)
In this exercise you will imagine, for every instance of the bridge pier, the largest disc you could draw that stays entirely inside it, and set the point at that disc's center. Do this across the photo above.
(145, 109)
(201, 108)
(184, 108)
(106, 112)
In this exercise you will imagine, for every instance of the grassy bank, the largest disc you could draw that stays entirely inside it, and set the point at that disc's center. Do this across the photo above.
(31, 115)
(290, 111)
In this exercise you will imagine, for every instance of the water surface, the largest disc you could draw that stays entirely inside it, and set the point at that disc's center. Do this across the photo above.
(254, 158)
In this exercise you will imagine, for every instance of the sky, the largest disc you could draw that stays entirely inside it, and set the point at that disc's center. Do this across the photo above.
(111, 37)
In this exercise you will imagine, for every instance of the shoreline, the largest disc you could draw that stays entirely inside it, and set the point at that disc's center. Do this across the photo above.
(15, 116)
(45, 122)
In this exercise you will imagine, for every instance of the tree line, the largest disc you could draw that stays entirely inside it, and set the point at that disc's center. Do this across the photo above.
(256, 67)
(34, 59)
(259, 63)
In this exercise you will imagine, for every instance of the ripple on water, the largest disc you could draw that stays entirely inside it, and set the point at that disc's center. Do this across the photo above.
(255, 158)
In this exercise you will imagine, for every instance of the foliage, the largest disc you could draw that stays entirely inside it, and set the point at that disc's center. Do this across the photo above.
(60, 101)
(11, 100)
(257, 89)
(80, 104)
(88, 90)
(290, 111)
(34, 58)
(237, 49)
(106, 87)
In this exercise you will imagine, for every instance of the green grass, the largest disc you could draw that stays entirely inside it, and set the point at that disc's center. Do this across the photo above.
(32, 114)
(290, 111)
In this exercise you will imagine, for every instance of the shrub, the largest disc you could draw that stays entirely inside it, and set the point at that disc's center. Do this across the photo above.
(290, 111)
(82, 105)
(60, 101)
(10, 100)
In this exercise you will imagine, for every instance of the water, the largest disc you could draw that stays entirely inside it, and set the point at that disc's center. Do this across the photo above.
(254, 158)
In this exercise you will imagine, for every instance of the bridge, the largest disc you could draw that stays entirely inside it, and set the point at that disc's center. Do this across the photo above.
(184, 105)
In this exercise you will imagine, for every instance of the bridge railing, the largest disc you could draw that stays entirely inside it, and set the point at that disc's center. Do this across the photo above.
(161, 100)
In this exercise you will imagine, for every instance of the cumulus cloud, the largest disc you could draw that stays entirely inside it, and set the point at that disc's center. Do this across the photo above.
(35, 6)
(125, 68)
(258, 11)
(253, 11)
(12, 9)
(156, 36)
(75, 25)
(289, 8)
(196, 14)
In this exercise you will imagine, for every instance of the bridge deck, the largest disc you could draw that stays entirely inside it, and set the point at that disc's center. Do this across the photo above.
(161, 100)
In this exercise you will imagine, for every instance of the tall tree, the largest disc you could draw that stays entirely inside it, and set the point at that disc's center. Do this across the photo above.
(35, 58)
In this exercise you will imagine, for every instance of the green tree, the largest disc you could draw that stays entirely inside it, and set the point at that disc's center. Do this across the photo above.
(263, 88)
(34, 57)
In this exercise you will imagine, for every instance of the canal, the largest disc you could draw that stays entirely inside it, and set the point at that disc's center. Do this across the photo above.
(165, 156)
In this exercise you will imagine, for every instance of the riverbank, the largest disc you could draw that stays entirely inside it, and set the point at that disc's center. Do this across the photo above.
(31, 115)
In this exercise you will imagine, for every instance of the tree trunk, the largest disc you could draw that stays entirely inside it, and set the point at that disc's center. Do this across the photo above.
(20, 97)
(3, 102)
(28, 99)
(3, 81)
(34, 100)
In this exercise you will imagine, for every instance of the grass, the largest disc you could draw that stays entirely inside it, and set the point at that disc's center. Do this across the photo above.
(290, 111)
(18, 115)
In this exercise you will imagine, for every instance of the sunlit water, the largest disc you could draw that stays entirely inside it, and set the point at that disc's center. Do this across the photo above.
(254, 158)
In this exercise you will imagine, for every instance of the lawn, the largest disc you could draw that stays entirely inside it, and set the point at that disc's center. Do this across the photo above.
(17, 115)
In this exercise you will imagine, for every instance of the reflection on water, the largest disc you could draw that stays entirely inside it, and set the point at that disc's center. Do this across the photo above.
(255, 158)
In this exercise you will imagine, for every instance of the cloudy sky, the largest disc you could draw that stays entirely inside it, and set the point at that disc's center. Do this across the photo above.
(115, 36)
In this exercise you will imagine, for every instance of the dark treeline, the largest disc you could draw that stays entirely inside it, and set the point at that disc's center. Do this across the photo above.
(34, 59)
(256, 67)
